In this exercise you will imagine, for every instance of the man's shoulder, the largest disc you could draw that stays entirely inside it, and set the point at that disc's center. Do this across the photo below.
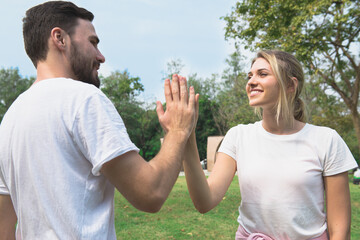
(65, 86)
(69, 83)
(54, 94)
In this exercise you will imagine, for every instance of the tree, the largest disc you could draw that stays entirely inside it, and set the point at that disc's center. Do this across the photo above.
(232, 97)
(323, 35)
(327, 110)
(150, 133)
(11, 86)
(174, 66)
(206, 125)
(120, 86)
(122, 90)
(141, 122)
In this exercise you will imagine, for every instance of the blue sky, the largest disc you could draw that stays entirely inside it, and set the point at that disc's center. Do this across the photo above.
(138, 35)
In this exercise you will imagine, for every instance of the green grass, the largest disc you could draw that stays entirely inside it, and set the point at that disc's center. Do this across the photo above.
(355, 211)
(178, 219)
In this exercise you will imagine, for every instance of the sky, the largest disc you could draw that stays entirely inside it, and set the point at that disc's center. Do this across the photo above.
(140, 36)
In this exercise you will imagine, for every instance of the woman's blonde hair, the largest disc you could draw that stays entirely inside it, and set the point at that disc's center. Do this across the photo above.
(287, 71)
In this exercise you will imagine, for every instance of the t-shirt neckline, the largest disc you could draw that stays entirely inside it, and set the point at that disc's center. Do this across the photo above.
(279, 136)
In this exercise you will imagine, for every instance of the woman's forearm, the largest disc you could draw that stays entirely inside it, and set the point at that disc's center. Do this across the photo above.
(197, 183)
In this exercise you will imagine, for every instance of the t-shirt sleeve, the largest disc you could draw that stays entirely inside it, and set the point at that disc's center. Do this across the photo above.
(228, 145)
(338, 158)
(100, 132)
(3, 189)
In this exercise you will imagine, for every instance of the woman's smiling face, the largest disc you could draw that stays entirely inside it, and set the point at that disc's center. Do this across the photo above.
(262, 87)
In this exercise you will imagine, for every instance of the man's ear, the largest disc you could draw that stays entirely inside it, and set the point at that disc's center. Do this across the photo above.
(57, 36)
(293, 84)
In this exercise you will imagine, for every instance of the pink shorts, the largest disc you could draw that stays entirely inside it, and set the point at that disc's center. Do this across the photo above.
(242, 234)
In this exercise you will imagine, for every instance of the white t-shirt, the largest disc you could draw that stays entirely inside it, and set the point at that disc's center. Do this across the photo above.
(54, 140)
(281, 177)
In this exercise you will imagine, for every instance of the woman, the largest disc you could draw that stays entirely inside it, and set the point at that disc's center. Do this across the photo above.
(284, 164)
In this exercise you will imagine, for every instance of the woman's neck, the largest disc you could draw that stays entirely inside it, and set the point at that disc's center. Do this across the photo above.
(271, 125)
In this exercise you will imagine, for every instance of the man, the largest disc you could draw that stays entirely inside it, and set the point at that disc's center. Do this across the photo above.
(63, 146)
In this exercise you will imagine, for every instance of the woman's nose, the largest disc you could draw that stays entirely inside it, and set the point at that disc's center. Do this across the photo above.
(252, 82)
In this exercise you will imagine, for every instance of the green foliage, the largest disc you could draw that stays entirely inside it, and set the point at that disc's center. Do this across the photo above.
(121, 87)
(148, 133)
(11, 86)
(206, 125)
(141, 123)
(174, 66)
(232, 97)
(305, 26)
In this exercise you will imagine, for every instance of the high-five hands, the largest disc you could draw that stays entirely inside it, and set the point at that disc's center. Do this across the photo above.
(153, 180)
(181, 107)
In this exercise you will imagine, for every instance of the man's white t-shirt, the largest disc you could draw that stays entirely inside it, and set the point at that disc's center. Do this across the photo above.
(281, 177)
(54, 140)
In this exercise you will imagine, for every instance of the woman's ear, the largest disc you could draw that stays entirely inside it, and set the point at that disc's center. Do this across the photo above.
(293, 85)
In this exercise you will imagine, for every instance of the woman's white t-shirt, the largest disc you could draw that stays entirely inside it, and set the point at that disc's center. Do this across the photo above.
(281, 177)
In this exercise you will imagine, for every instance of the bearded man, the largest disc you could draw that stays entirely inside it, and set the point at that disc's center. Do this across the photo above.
(64, 147)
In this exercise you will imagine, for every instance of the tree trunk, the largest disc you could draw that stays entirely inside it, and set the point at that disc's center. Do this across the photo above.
(356, 122)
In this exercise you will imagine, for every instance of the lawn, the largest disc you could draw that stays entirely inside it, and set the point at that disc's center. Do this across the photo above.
(178, 218)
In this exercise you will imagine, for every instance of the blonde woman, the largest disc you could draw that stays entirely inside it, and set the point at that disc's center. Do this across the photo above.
(284, 165)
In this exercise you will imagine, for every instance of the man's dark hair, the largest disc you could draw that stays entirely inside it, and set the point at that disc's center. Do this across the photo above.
(41, 19)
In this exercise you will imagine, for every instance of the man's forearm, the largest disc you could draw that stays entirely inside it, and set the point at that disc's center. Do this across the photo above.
(167, 163)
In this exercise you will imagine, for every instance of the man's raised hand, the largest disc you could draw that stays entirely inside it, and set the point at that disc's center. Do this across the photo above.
(181, 107)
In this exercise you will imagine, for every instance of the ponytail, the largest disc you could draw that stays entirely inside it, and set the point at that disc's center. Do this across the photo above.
(299, 110)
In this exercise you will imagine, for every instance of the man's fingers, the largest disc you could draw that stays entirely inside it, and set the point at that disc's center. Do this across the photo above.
(192, 103)
(175, 87)
(183, 90)
(167, 90)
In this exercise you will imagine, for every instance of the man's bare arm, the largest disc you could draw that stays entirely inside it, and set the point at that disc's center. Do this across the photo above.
(146, 185)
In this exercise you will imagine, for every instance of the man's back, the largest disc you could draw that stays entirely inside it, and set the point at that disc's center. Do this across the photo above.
(50, 160)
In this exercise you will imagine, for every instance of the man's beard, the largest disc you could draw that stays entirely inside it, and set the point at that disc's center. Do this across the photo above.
(83, 67)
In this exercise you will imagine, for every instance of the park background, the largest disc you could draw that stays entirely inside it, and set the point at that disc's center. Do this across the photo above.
(323, 35)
